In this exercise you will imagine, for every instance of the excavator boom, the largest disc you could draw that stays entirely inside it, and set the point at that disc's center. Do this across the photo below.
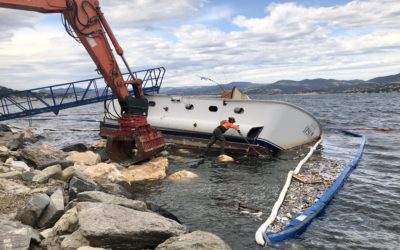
(136, 140)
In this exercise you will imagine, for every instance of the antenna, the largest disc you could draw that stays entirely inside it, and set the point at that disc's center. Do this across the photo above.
(211, 80)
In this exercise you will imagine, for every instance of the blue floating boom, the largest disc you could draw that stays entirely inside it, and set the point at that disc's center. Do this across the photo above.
(300, 223)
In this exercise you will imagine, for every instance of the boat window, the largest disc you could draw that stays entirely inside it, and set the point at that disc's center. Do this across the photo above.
(152, 103)
(189, 106)
(238, 110)
(213, 108)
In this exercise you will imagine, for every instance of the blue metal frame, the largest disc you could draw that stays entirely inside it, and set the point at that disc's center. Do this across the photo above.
(63, 96)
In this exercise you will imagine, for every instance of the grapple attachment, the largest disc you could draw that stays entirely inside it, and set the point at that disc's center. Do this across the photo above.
(135, 140)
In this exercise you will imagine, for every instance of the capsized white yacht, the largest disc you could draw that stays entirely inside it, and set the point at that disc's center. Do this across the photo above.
(269, 126)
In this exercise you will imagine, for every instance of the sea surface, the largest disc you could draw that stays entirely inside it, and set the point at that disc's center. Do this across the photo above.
(363, 215)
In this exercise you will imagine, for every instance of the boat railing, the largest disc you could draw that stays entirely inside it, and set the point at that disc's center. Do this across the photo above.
(54, 98)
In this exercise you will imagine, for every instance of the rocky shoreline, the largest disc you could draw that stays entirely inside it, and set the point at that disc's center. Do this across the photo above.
(75, 198)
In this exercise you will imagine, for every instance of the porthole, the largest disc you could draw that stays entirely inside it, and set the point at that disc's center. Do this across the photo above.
(152, 103)
(213, 108)
(189, 106)
(238, 110)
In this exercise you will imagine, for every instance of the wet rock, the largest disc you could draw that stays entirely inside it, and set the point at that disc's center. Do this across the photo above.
(74, 241)
(225, 158)
(14, 235)
(54, 172)
(80, 183)
(183, 174)
(42, 156)
(79, 147)
(30, 214)
(120, 189)
(96, 196)
(13, 188)
(198, 240)
(117, 227)
(53, 211)
(161, 211)
(156, 169)
(102, 172)
(86, 158)
(68, 223)
(90, 248)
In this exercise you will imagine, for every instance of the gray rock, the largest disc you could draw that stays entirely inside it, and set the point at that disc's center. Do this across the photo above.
(117, 227)
(97, 196)
(79, 147)
(32, 211)
(120, 189)
(80, 183)
(4, 128)
(54, 172)
(197, 240)
(10, 140)
(54, 210)
(74, 241)
(14, 235)
(90, 248)
(42, 156)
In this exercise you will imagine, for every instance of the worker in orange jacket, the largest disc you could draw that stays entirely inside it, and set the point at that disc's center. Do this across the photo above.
(218, 133)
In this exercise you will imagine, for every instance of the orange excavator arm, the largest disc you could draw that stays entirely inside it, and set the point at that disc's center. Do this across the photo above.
(85, 21)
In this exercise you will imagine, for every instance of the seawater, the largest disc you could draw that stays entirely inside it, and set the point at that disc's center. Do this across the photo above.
(363, 214)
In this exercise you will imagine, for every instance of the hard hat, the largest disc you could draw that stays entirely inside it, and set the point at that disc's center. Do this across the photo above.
(231, 119)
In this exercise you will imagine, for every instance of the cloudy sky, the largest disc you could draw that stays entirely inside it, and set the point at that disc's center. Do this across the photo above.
(227, 40)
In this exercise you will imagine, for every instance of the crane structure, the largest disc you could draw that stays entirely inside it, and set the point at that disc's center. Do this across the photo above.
(136, 140)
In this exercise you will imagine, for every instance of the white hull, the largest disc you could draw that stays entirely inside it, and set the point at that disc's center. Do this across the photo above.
(272, 124)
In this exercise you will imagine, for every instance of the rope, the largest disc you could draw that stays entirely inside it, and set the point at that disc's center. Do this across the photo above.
(274, 212)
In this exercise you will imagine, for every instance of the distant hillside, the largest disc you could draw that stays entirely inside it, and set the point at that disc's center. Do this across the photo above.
(386, 79)
(320, 85)
(4, 90)
(203, 90)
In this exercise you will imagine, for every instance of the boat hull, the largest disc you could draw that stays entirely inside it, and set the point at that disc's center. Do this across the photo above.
(269, 126)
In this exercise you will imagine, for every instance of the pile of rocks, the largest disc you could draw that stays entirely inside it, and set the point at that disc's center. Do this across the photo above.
(74, 198)
(314, 179)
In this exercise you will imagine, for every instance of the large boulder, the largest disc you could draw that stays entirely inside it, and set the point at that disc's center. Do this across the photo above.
(68, 223)
(155, 169)
(80, 183)
(14, 235)
(97, 196)
(102, 172)
(197, 240)
(54, 210)
(30, 214)
(117, 227)
(74, 241)
(42, 156)
(84, 158)
(54, 172)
